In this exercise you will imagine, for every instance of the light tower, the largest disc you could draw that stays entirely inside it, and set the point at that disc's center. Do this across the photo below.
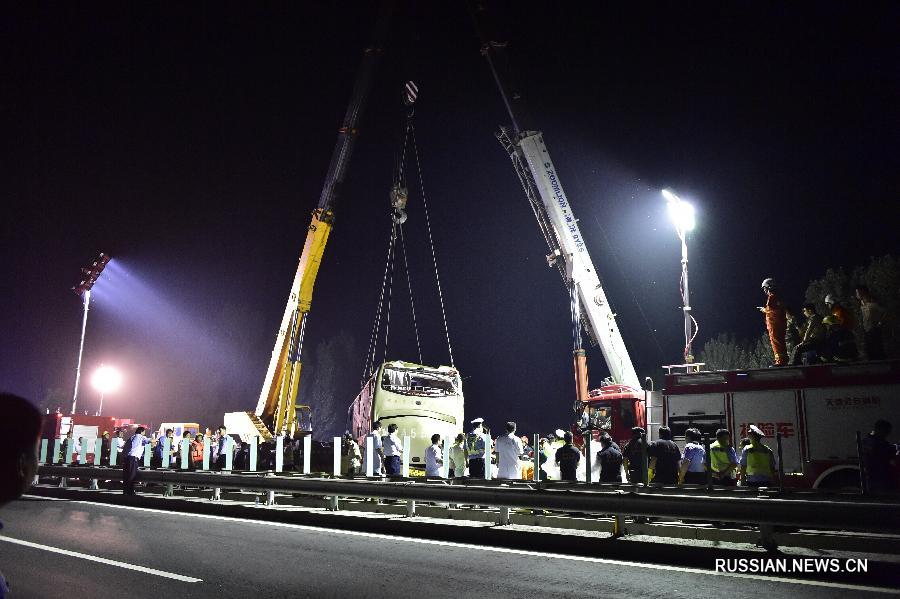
(682, 214)
(91, 274)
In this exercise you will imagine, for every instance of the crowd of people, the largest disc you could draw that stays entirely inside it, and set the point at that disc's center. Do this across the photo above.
(811, 338)
(752, 463)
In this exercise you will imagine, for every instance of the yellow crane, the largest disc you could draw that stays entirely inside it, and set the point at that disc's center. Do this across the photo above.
(277, 411)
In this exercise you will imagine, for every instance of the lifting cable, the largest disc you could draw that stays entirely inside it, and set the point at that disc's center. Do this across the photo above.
(399, 196)
(437, 276)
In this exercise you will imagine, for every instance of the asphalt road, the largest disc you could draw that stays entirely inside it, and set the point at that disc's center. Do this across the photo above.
(128, 552)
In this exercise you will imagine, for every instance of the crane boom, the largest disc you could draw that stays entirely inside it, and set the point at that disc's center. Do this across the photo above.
(276, 408)
(568, 252)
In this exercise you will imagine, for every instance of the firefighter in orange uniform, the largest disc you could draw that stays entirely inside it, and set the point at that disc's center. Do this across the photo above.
(776, 322)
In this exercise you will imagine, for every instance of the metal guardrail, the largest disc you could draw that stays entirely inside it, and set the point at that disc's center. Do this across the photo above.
(823, 514)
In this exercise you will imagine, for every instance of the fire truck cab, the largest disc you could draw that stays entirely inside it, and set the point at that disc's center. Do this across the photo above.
(614, 409)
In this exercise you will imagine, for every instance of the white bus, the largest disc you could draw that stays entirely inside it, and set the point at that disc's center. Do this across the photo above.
(420, 400)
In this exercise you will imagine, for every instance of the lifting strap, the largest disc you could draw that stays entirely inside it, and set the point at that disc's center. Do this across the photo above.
(399, 195)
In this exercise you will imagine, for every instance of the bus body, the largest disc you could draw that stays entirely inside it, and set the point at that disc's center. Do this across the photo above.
(816, 409)
(420, 400)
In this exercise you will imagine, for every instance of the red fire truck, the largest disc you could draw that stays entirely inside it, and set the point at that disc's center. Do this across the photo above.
(816, 409)
(89, 428)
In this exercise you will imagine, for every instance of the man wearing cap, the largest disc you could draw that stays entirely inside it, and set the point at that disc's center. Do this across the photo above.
(475, 449)
(757, 461)
(776, 322)
(723, 459)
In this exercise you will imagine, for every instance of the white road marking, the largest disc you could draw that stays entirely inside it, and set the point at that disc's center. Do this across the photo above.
(523, 552)
(102, 560)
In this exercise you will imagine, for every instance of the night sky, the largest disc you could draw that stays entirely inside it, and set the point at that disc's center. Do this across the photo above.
(190, 141)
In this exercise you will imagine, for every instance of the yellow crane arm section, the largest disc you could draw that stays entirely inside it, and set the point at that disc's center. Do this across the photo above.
(277, 400)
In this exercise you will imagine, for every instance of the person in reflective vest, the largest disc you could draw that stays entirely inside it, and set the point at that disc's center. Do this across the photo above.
(757, 461)
(723, 459)
(475, 449)
(776, 322)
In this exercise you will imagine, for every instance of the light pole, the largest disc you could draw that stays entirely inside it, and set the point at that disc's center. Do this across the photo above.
(682, 214)
(106, 379)
(91, 274)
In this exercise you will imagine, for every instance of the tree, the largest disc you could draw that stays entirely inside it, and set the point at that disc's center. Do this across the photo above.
(328, 384)
(727, 353)
(881, 276)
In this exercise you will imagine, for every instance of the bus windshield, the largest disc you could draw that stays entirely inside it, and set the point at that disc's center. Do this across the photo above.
(417, 382)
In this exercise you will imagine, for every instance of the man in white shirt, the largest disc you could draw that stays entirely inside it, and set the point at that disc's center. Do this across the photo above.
(393, 451)
(509, 449)
(433, 458)
(458, 457)
(377, 449)
(134, 451)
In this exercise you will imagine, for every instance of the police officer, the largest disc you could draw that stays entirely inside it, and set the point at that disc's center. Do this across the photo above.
(475, 449)
(757, 461)
(723, 459)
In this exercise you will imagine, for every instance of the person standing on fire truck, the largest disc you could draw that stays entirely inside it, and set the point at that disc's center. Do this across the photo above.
(776, 322)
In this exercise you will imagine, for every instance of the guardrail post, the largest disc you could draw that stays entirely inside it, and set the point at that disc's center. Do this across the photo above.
(780, 462)
(270, 498)
(863, 479)
(98, 446)
(618, 526)
(98, 449)
(410, 508)
(767, 537)
(147, 455)
(588, 456)
(205, 453)
(217, 494)
(229, 453)
(707, 462)
(279, 453)
(185, 453)
(336, 458)
(56, 456)
(645, 470)
(166, 453)
(254, 453)
(307, 454)
(113, 450)
(504, 516)
(445, 467)
(487, 456)
(370, 455)
(404, 472)
(42, 459)
(536, 475)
